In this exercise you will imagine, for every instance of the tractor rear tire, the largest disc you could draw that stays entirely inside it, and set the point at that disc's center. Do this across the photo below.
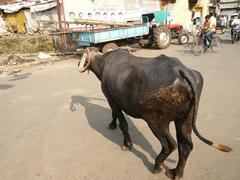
(162, 37)
(145, 43)
(183, 38)
(109, 47)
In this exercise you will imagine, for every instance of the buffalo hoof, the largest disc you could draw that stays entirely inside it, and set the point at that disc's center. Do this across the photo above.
(172, 174)
(112, 126)
(127, 146)
(158, 168)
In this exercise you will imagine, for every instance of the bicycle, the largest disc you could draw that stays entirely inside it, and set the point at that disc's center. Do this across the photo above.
(199, 47)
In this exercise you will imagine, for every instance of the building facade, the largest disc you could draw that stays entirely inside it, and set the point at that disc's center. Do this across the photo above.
(228, 7)
(182, 11)
(179, 11)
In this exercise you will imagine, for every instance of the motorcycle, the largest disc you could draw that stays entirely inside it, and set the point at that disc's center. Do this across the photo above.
(235, 33)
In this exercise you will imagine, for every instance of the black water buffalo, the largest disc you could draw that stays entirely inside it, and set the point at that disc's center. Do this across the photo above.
(158, 90)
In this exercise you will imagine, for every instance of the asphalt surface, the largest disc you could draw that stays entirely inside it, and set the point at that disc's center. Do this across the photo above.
(54, 124)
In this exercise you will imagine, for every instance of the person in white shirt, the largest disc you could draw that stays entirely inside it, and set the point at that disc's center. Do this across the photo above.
(224, 24)
(213, 20)
(236, 21)
(235, 24)
(224, 21)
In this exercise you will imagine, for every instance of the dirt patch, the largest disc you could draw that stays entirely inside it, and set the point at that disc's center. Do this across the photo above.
(25, 44)
(12, 60)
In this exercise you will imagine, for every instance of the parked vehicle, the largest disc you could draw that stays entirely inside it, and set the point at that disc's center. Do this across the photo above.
(161, 34)
(177, 32)
(150, 31)
(108, 39)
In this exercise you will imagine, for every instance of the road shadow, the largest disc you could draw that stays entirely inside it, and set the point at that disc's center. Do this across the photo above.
(19, 76)
(5, 86)
(99, 117)
(186, 49)
(227, 41)
(185, 52)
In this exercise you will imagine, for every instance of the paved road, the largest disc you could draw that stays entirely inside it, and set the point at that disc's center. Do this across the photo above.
(53, 124)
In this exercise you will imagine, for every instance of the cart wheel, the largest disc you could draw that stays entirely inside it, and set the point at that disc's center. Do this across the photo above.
(145, 43)
(162, 37)
(109, 47)
(183, 38)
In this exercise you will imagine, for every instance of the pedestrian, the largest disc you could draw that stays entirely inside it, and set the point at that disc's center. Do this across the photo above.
(196, 27)
(213, 20)
(196, 23)
(224, 24)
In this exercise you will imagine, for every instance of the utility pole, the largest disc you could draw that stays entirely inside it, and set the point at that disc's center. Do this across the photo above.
(59, 15)
(238, 6)
(218, 6)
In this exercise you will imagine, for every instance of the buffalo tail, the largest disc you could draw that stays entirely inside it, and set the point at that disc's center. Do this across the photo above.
(190, 79)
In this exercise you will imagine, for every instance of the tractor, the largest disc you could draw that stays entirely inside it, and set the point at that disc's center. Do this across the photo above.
(161, 34)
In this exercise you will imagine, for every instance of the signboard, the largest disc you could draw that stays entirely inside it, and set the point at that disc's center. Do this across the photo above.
(135, 8)
(150, 6)
(108, 10)
(8, 1)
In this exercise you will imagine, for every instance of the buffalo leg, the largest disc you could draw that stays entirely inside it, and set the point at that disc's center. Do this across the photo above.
(117, 114)
(124, 127)
(161, 131)
(185, 145)
(113, 124)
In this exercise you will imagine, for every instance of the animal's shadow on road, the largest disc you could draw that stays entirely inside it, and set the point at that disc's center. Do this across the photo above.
(5, 86)
(19, 76)
(99, 117)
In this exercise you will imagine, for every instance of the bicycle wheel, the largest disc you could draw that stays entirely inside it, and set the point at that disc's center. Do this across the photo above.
(197, 47)
(216, 44)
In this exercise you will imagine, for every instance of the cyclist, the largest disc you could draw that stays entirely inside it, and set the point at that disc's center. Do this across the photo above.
(208, 28)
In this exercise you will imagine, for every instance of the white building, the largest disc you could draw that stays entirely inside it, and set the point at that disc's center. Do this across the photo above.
(229, 7)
